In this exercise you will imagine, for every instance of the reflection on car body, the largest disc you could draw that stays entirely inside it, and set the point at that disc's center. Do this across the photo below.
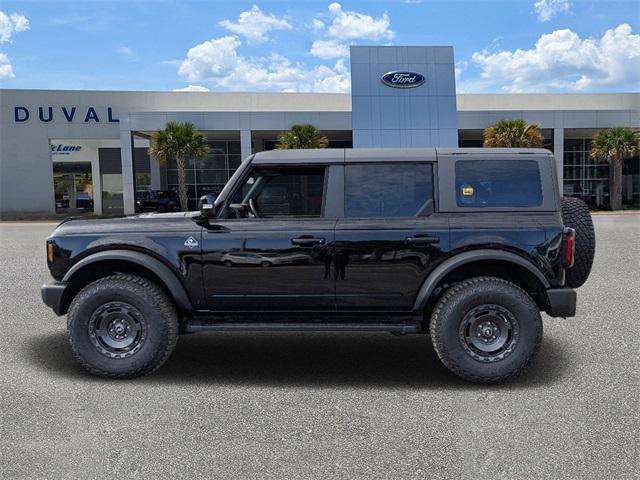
(231, 259)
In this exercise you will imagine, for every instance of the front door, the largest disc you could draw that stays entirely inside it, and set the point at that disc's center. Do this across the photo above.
(390, 236)
(273, 255)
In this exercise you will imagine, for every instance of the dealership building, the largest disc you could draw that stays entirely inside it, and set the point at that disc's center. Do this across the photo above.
(86, 151)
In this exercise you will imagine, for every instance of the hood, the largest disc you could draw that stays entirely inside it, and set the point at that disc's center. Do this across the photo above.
(178, 221)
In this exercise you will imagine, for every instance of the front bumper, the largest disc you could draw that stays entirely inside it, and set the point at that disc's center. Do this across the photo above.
(53, 296)
(561, 302)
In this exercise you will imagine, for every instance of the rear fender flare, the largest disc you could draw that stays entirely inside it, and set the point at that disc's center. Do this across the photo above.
(434, 278)
(164, 273)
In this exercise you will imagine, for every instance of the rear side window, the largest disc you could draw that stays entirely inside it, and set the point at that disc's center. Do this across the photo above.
(388, 190)
(498, 183)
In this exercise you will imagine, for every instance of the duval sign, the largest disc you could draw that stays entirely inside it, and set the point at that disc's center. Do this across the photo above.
(69, 114)
(402, 79)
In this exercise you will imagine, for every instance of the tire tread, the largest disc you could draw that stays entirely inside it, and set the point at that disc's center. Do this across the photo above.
(144, 286)
(449, 360)
(575, 214)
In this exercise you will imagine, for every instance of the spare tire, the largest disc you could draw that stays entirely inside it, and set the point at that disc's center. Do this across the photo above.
(576, 215)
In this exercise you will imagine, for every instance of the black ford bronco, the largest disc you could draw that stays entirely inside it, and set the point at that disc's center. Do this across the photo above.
(465, 245)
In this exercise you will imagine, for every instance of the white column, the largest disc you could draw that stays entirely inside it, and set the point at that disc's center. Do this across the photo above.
(126, 155)
(245, 143)
(558, 152)
(96, 180)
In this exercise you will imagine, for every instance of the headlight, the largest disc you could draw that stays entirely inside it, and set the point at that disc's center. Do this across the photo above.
(50, 252)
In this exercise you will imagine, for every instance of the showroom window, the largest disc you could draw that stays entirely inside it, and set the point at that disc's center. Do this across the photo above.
(584, 177)
(111, 180)
(73, 187)
(210, 174)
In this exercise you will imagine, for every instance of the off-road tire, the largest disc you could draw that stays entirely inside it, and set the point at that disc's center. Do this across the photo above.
(147, 299)
(459, 301)
(575, 214)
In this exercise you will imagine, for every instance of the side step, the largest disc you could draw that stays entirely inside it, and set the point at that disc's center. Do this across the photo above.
(397, 328)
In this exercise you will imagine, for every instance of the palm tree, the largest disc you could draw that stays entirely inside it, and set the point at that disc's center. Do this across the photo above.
(178, 141)
(302, 136)
(513, 134)
(614, 146)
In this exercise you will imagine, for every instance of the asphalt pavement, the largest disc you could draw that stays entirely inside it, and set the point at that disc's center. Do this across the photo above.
(317, 405)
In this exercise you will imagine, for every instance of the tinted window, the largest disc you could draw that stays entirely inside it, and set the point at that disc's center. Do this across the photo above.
(286, 192)
(388, 190)
(498, 183)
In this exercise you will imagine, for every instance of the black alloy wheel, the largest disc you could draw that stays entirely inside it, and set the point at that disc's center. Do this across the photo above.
(117, 329)
(486, 329)
(489, 332)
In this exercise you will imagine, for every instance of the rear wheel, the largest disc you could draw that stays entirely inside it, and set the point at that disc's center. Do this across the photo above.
(122, 326)
(486, 330)
(575, 214)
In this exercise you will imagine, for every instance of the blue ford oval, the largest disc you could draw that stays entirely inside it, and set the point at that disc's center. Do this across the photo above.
(400, 79)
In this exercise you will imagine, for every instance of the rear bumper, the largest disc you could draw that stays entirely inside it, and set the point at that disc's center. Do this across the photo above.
(561, 302)
(53, 296)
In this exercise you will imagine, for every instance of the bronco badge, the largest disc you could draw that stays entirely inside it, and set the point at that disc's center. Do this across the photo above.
(191, 242)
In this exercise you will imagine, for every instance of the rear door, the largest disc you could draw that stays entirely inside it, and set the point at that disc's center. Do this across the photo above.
(390, 235)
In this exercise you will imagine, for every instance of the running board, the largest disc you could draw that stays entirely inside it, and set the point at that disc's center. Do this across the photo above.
(398, 328)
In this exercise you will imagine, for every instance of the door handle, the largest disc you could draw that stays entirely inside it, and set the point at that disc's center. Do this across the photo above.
(422, 240)
(305, 241)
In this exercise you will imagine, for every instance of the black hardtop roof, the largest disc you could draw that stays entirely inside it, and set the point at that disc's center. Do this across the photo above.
(338, 155)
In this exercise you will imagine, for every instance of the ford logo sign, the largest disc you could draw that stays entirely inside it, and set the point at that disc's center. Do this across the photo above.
(402, 79)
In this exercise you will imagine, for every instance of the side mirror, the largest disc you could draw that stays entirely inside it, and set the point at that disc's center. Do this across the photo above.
(206, 205)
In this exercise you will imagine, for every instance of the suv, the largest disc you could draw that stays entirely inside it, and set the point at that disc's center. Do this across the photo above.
(465, 245)
(157, 201)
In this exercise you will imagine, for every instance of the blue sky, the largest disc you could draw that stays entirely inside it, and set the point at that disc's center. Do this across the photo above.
(500, 46)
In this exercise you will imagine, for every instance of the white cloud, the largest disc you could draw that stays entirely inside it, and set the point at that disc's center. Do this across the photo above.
(547, 9)
(128, 51)
(192, 88)
(561, 60)
(327, 49)
(217, 61)
(10, 24)
(348, 25)
(6, 70)
(254, 25)
(213, 58)
(317, 25)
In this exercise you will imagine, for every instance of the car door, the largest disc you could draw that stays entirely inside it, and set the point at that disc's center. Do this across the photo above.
(275, 256)
(390, 235)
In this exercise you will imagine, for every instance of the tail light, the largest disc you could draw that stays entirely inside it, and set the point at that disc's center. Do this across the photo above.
(569, 250)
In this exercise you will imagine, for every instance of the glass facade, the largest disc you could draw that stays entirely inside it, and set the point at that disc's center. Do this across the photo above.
(73, 187)
(210, 174)
(584, 177)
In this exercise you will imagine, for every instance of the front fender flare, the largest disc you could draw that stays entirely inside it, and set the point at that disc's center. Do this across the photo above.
(164, 273)
(468, 257)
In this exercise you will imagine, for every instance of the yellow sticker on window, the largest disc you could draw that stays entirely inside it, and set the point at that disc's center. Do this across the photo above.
(467, 191)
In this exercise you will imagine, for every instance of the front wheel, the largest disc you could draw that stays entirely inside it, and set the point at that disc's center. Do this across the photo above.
(486, 330)
(122, 326)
